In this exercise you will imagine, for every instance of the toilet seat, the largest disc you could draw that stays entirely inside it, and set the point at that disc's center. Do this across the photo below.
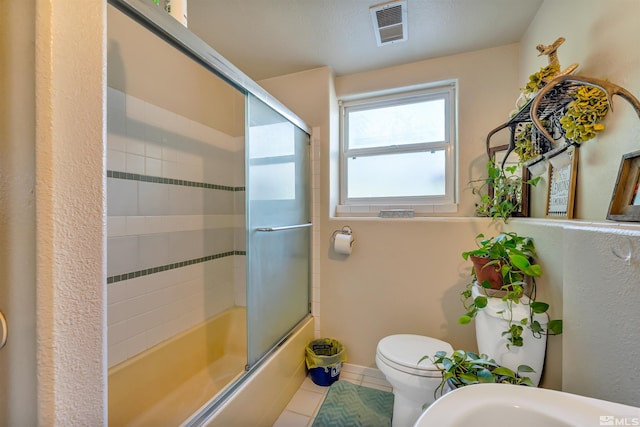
(402, 352)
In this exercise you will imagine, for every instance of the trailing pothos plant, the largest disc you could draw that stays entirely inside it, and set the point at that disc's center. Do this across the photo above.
(513, 258)
(463, 368)
(505, 197)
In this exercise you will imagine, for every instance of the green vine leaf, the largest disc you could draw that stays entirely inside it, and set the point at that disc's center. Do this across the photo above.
(481, 301)
(464, 320)
(555, 326)
(539, 307)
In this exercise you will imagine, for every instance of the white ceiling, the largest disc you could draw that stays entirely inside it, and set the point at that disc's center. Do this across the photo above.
(267, 38)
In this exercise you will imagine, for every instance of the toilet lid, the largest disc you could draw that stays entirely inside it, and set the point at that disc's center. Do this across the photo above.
(404, 351)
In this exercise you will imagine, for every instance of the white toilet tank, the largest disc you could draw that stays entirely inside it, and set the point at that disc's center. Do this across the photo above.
(490, 323)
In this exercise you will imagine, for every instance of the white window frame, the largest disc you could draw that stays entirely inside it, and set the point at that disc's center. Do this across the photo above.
(446, 203)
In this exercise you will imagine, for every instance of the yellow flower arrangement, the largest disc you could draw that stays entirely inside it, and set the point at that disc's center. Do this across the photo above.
(539, 79)
(581, 122)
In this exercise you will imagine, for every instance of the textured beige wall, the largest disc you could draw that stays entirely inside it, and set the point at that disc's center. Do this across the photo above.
(402, 277)
(601, 311)
(70, 216)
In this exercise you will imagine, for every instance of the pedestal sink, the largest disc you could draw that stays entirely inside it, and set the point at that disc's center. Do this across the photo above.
(506, 405)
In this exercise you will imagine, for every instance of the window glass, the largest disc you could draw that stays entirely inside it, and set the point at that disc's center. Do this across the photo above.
(398, 124)
(397, 175)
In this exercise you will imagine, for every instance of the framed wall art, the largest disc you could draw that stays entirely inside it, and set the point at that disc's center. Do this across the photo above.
(561, 190)
(625, 202)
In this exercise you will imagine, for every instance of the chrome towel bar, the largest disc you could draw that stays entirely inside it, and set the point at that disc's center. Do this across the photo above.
(285, 227)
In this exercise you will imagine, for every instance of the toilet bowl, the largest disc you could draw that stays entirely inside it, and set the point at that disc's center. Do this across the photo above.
(414, 384)
(491, 321)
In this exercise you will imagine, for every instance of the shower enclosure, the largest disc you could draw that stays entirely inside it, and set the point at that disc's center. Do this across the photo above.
(209, 232)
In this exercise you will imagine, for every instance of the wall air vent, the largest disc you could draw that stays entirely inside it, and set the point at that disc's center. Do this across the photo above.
(390, 22)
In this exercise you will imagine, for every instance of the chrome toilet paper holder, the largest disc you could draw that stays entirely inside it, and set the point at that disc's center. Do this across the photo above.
(345, 230)
(342, 241)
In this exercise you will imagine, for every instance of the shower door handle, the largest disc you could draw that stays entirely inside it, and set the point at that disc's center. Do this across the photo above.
(285, 227)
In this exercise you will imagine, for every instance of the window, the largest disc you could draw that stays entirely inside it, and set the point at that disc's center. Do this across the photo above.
(399, 150)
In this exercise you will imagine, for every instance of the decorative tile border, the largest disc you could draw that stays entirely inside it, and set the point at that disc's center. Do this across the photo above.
(170, 181)
(153, 270)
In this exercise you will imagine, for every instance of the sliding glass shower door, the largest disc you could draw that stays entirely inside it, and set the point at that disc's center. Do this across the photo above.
(278, 228)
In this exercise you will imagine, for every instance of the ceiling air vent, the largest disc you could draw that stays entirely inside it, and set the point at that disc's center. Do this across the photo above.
(390, 21)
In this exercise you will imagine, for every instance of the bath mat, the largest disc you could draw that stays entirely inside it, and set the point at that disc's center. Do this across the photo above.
(351, 405)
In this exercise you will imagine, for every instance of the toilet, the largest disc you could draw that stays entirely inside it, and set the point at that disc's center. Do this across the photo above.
(490, 324)
(414, 384)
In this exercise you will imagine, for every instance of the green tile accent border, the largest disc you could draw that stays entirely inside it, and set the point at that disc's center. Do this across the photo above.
(153, 270)
(170, 181)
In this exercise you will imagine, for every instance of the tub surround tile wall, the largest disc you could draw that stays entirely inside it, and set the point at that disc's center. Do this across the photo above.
(193, 222)
(175, 206)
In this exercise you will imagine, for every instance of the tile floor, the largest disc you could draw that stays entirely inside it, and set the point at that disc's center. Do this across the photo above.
(303, 407)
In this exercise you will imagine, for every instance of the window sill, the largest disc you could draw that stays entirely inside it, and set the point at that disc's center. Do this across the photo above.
(374, 210)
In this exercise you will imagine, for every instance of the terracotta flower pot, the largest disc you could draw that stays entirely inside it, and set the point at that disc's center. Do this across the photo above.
(489, 273)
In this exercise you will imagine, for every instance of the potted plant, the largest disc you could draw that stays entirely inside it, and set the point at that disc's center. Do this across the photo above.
(465, 368)
(506, 186)
(505, 259)
(504, 266)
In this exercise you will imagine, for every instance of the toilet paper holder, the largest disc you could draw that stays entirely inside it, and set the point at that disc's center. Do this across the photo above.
(345, 230)
(342, 241)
